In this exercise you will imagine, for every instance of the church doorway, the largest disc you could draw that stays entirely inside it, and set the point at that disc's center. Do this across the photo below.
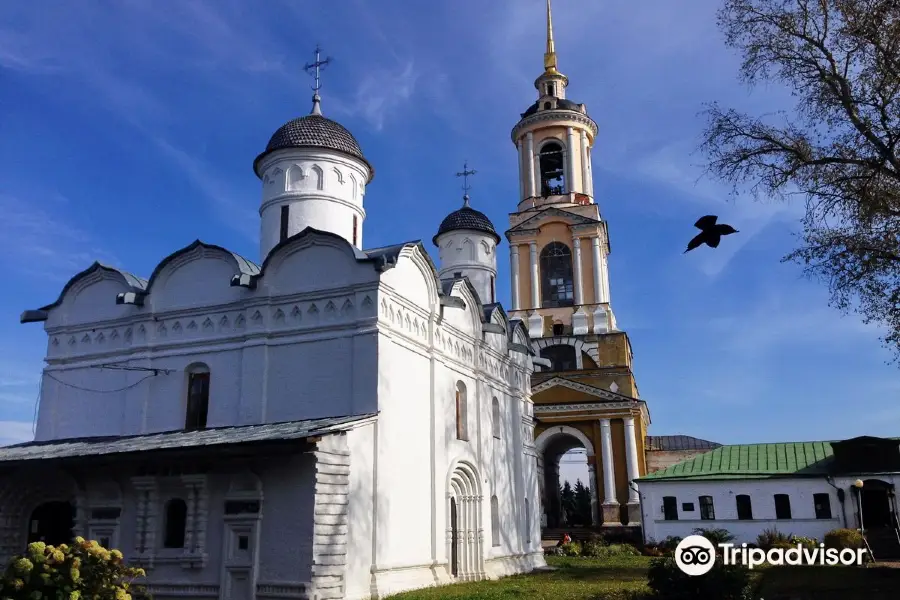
(465, 534)
(52, 523)
(454, 539)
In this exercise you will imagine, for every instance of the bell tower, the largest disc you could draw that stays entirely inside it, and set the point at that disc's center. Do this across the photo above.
(584, 393)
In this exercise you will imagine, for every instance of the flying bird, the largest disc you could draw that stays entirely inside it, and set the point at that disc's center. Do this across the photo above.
(710, 232)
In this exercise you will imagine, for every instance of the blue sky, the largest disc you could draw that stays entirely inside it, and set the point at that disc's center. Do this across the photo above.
(127, 131)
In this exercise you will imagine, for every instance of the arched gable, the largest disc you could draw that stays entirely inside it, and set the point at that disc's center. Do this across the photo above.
(414, 277)
(311, 258)
(88, 297)
(469, 316)
(199, 274)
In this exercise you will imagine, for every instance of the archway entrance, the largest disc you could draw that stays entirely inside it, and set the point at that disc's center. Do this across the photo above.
(465, 535)
(52, 523)
(566, 458)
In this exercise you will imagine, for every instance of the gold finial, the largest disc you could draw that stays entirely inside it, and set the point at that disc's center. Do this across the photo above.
(550, 55)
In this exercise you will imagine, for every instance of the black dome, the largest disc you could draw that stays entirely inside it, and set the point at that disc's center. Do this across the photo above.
(561, 104)
(314, 131)
(466, 218)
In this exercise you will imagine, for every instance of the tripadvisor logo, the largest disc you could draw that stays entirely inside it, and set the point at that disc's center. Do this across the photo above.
(696, 555)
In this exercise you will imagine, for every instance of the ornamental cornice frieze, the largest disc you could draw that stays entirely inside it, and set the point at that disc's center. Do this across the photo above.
(554, 115)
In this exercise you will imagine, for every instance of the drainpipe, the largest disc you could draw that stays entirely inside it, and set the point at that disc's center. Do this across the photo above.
(840, 495)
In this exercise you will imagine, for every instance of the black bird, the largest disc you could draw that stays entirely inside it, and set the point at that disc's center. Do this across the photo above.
(710, 232)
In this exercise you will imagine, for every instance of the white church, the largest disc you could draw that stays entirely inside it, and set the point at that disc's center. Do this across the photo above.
(333, 422)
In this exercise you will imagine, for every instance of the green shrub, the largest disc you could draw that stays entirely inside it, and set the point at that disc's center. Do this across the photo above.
(770, 537)
(593, 548)
(805, 541)
(716, 536)
(571, 549)
(843, 538)
(621, 550)
(83, 570)
(723, 582)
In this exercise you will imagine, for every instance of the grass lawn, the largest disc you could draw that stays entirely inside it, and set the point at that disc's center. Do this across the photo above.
(601, 578)
(573, 579)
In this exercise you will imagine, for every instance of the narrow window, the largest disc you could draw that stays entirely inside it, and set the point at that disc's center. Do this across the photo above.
(176, 523)
(527, 522)
(285, 214)
(822, 503)
(551, 162)
(549, 89)
(461, 412)
(782, 506)
(670, 508)
(493, 291)
(744, 507)
(546, 106)
(354, 230)
(707, 512)
(558, 329)
(197, 401)
(495, 521)
(495, 417)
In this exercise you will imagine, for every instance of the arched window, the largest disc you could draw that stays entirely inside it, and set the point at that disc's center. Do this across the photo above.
(561, 357)
(175, 524)
(556, 275)
(495, 418)
(197, 398)
(495, 521)
(552, 168)
(462, 412)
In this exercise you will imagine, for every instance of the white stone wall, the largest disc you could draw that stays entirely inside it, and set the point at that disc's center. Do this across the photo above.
(473, 254)
(761, 492)
(322, 334)
(324, 190)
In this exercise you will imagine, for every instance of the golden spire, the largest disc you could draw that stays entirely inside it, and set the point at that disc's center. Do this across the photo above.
(550, 54)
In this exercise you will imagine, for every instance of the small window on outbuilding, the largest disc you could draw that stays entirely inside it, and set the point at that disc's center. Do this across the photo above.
(707, 510)
(782, 506)
(670, 508)
(822, 503)
(744, 507)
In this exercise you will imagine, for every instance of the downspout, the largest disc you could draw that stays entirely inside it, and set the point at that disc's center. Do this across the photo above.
(841, 499)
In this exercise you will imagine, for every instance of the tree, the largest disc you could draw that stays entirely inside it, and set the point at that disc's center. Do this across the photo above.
(582, 503)
(839, 151)
(567, 501)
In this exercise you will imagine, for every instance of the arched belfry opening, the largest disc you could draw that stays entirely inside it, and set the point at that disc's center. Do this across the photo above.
(553, 172)
(566, 479)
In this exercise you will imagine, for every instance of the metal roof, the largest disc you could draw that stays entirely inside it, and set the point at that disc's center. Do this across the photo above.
(467, 218)
(176, 440)
(674, 443)
(752, 461)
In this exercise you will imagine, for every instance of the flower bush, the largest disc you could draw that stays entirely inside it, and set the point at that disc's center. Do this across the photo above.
(843, 538)
(84, 570)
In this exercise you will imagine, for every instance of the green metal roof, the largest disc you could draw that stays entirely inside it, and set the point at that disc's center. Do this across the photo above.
(794, 459)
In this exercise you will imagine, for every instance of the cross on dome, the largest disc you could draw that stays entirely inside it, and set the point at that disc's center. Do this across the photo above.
(466, 187)
(314, 68)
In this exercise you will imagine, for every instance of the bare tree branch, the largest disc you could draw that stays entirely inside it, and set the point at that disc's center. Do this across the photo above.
(841, 59)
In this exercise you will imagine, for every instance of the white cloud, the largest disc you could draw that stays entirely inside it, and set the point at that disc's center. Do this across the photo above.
(381, 92)
(35, 239)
